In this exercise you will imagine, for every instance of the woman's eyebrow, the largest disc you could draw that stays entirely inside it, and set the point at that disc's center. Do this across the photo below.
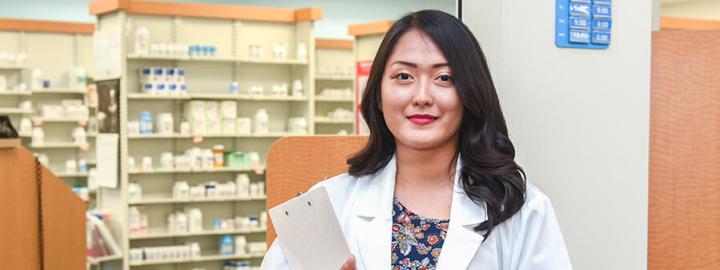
(415, 65)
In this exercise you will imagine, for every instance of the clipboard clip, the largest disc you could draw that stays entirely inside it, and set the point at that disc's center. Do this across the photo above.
(9, 144)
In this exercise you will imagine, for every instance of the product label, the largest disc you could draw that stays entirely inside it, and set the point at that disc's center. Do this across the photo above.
(602, 11)
(580, 9)
(602, 25)
(578, 36)
(579, 23)
(601, 38)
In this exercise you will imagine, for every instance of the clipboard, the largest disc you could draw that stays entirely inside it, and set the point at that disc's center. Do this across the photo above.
(309, 232)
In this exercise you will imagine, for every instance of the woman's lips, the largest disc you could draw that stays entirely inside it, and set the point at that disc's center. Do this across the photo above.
(422, 119)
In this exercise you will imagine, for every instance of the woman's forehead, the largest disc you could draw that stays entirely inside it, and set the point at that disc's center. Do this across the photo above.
(416, 47)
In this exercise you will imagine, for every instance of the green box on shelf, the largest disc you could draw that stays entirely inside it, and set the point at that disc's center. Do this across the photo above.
(237, 160)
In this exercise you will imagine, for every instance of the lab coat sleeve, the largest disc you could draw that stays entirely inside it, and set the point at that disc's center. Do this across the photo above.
(275, 258)
(539, 242)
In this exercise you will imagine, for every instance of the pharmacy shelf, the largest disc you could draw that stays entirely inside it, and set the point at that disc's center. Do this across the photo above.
(15, 111)
(56, 145)
(158, 136)
(12, 67)
(143, 96)
(333, 78)
(148, 201)
(333, 99)
(71, 175)
(95, 261)
(241, 60)
(214, 170)
(204, 258)
(15, 93)
(180, 136)
(162, 234)
(51, 91)
(327, 120)
(59, 120)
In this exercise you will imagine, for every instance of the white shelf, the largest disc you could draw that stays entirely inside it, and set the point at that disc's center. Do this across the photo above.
(49, 145)
(59, 120)
(14, 111)
(162, 234)
(271, 61)
(71, 175)
(143, 96)
(12, 67)
(216, 170)
(247, 97)
(240, 60)
(147, 201)
(210, 96)
(327, 120)
(70, 91)
(14, 93)
(204, 258)
(159, 136)
(332, 78)
(179, 136)
(94, 261)
(334, 99)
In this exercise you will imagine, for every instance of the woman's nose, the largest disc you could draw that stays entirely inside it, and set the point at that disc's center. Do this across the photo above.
(422, 95)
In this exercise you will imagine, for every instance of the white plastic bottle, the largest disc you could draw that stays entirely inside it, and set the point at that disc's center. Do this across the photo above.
(240, 245)
(195, 220)
(134, 220)
(242, 181)
(181, 222)
(261, 121)
(36, 79)
(38, 136)
(142, 41)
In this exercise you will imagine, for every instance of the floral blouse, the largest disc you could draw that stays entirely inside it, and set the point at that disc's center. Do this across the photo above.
(416, 241)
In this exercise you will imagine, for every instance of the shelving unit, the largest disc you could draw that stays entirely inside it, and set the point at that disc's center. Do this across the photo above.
(162, 234)
(333, 85)
(208, 78)
(27, 41)
(367, 39)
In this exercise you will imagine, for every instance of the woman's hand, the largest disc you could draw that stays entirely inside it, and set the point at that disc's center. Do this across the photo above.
(349, 264)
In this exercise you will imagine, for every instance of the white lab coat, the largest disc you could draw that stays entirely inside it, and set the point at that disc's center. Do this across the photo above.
(530, 240)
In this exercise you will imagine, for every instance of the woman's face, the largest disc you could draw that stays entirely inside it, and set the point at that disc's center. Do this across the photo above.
(419, 101)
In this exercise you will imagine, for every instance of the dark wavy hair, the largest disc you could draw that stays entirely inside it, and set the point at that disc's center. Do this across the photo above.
(489, 175)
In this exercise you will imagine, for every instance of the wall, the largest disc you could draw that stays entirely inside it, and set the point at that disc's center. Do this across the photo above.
(707, 9)
(338, 13)
(579, 120)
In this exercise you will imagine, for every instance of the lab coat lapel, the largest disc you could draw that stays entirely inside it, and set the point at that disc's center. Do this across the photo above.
(461, 243)
(374, 218)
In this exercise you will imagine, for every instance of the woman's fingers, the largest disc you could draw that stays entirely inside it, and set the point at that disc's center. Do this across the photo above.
(349, 264)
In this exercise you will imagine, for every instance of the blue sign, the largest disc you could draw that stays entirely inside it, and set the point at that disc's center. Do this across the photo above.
(579, 23)
(601, 38)
(602, 25)
(585, 24)
(602, 11)
(580, 9)
(579, 36)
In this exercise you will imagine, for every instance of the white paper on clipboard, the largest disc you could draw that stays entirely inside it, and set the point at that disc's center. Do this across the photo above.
(310, 233)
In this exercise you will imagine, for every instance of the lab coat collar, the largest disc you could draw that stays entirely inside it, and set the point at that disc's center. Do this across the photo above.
(374, 210)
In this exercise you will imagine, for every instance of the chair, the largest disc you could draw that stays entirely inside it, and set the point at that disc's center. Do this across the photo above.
(62, 215)
(297, 163)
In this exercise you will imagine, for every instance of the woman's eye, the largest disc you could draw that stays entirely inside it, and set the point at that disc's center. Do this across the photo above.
(404, 76)
(445, 78)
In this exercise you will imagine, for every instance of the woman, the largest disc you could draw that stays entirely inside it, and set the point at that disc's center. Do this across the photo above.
(437, 187)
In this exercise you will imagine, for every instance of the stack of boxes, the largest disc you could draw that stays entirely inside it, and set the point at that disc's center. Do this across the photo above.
(163, 81)
(215, 118)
